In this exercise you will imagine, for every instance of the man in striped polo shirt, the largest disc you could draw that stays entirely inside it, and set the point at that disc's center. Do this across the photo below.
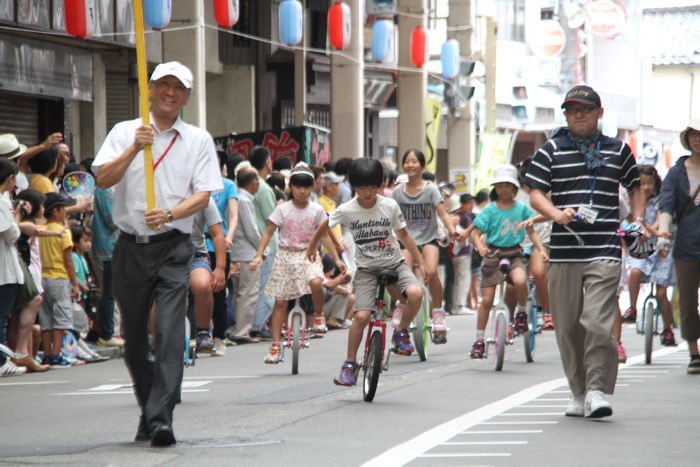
(582, 170)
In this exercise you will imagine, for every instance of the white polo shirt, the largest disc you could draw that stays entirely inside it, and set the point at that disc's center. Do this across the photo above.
(190, 166)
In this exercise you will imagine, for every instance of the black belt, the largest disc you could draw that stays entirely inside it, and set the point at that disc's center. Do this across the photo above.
(146, 239)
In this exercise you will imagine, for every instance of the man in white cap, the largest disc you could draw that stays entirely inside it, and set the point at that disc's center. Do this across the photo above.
(582, 170)
(152, 255)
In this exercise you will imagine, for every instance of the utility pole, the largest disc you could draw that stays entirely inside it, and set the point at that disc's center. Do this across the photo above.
(347, 95)
(461, 131)
(489, 58)
(412, 85)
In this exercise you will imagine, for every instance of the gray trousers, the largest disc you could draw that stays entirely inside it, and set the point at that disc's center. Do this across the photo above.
(582, 298)
(144, 274)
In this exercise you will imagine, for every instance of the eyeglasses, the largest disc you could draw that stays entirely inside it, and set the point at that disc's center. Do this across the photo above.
(580, 110)
(177, 87)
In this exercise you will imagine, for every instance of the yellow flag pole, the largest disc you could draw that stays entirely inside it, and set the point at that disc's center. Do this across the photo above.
(143, 100)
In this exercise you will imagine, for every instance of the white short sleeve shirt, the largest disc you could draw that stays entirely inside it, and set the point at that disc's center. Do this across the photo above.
(188, 167)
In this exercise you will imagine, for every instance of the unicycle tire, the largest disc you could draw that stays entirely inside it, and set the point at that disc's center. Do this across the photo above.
(372, 366)
(529, 337)
(296, 342)
(421, 332)
(649, 310)
(500, 340)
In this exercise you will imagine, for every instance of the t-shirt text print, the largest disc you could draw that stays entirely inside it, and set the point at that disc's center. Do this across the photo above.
(373, 231)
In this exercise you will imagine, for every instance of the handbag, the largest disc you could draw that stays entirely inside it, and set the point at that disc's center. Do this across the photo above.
(26, 291)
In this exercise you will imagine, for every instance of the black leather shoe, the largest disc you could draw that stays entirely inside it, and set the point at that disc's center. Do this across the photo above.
(162, 436)
(142, 433)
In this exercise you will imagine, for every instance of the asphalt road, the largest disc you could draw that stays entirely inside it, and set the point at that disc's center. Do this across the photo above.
(447, 411)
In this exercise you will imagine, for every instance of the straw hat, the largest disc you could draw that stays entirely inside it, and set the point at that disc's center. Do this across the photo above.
(694, 125)
(10, 147)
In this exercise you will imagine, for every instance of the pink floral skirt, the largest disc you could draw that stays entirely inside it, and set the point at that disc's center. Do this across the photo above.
(291, 274)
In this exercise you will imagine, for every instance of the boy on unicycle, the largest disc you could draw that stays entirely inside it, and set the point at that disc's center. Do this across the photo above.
(375, 222)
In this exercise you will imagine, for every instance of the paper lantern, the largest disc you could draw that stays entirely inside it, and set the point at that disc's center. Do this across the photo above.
(382, 39)
(226, 13)
(291, 19)
(80, 17)
(418, 47)
(157, 13)
(339, 25)
(449, 57)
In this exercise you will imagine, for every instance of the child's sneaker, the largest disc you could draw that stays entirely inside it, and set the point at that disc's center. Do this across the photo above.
(397, 315)
(402, 343)
(347, 375)
(439, 337)
(204, 343)
(667, 338)
(478, 350)
(520, 325)
(621, 354)
(274, 354)
(630, 315)
(548, 323)
(320, 325)
(438, 320)
(60, 361)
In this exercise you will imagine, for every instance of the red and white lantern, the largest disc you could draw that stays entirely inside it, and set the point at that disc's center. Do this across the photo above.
(418, 47)
(339, 25)
(226, 13)
(80, 18)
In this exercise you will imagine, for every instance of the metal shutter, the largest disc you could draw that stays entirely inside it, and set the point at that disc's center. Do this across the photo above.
(120, 104)
(20, 115)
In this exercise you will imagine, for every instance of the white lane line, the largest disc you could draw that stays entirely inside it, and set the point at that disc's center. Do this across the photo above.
(537, 422)
(501, 432)
(91, 393)
(482, 443)
(469, 454)
(31, 383)
(527, 414)
(621, 384)
(551, 400)
(527, 406)
(417, 446)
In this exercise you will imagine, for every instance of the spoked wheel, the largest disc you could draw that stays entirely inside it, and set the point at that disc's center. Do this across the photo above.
(529, 338)
(372, 366)
(421, 331)
(649, 310)
(500, 340)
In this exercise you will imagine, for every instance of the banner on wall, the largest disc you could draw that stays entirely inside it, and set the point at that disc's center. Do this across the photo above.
(494, 152)
(433, 116)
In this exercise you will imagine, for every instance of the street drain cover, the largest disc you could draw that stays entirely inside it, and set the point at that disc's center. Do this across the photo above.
(225, 442)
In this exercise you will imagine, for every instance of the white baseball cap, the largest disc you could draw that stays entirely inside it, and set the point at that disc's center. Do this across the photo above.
(505, 173)
(176, 69)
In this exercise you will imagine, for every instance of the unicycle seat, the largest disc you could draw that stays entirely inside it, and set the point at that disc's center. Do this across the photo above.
(387, 276)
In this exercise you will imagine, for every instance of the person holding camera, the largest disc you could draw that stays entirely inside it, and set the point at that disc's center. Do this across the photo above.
(582, 170)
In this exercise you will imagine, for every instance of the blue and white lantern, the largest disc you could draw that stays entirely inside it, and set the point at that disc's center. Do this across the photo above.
(449, 57)
(157, 13)
(382, 39)
(291, 19)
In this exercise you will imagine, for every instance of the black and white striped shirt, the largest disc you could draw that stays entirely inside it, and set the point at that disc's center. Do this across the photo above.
(560, 169)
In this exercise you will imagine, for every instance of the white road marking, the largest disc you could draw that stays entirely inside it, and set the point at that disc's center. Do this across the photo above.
(481, 443)
(502, 432)
(101, 393)
(551, 400)
(537, 422)
(470, 454)
(419, 445)
(31, 383)
(527, 414)
(621, 384)
(543, 406)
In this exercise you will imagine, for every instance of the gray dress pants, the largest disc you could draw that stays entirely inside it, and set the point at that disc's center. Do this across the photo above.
(143, 274)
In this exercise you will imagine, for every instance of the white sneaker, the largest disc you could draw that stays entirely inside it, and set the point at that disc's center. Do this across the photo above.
(596, 406)
(575, 406)
(10, 369)
(219, 348)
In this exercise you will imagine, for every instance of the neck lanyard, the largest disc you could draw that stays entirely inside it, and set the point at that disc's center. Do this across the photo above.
(591, 183)
(167, 150)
